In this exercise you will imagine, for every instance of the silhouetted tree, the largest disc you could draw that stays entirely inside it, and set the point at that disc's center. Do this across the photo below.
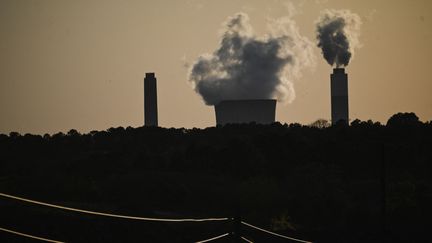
(14, 135)
(58, 135)
(320, 123)
(73, 133)
(407, 119)
(356, 122)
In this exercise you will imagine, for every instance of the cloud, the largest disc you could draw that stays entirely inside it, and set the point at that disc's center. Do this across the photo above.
(248, 67)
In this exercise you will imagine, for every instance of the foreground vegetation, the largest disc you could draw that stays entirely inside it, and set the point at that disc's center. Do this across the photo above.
(316, 182)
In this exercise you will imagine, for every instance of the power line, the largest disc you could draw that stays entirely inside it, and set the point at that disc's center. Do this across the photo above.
(275, 234)
(109, 214)
(30, 236)
(245, 239)
(214, 238)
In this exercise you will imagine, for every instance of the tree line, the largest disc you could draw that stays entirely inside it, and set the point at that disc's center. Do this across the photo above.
(317, 181)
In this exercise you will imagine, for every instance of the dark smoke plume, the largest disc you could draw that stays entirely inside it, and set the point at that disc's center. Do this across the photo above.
(247, 67)
(337, 34)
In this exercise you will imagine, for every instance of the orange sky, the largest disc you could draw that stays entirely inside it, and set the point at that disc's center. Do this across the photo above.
(80, 64)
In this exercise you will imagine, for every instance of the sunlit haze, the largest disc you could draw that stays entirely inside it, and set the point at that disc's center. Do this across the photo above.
(80, 64)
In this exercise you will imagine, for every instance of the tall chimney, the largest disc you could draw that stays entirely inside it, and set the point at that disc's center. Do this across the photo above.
(339, 96)
(150, 100)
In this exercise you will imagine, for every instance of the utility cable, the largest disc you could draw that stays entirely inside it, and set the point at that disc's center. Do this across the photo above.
(109, 214)
(245, 239)
(214, 238)
(30, 236)
(275, 234)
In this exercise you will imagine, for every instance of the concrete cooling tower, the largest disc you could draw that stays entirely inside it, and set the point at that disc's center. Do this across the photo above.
(339, 96)
(245, 111)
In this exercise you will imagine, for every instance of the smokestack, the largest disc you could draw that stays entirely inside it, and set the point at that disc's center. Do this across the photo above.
(150, 100)
(339, 96)
(245, 111)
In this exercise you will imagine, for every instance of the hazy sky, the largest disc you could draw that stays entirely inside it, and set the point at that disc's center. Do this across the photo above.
(80, 64)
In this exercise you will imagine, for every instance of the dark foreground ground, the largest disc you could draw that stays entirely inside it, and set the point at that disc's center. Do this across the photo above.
(319, 184)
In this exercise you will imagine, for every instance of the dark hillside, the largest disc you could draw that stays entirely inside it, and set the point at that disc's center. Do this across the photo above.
(321, 184)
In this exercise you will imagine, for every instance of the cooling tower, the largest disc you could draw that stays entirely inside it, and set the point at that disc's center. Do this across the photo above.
(245, 111)
(339, 96)
(150, 100)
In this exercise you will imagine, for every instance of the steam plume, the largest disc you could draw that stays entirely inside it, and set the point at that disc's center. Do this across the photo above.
(337, 34)
(247, 67)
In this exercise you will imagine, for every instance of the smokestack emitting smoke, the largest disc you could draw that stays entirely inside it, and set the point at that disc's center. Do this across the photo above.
(150, 100)
(247, 67)
(339, 96)
(337, 34)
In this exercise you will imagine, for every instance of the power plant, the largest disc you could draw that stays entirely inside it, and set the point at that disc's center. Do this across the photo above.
(245, 111)
(339, 96)
(150, 100)
(260, 111)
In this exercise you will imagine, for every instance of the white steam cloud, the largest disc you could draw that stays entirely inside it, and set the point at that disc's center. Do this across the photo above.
(337, 35)
(248, 67)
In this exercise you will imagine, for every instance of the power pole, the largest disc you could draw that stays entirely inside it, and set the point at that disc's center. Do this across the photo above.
(236, 233)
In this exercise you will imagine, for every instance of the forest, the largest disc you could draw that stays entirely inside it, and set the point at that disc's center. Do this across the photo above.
(363, 182)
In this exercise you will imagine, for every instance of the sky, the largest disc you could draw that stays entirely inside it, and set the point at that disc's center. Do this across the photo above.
(80, 64)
